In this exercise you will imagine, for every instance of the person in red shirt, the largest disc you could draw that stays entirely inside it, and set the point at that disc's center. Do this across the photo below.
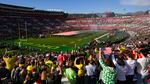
(136, 53)
(60, 59)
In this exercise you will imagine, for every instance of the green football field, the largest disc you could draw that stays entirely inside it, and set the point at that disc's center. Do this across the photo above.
(61, 43)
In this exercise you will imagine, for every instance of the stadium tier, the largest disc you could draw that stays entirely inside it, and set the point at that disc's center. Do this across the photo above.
(139, 23)
(19, 21)
(54, 47)
(15, 20)
(12, 10)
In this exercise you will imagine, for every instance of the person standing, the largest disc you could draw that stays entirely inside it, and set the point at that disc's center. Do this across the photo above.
(90, 72)
(132, 65)
(121, 69)
(81, 72)
(108, 73)
(60, 59)
(142, 69)
(4, 73)
(70, 74)
(10, 61)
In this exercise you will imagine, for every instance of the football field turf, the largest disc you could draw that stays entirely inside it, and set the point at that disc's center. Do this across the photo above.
(61, 43)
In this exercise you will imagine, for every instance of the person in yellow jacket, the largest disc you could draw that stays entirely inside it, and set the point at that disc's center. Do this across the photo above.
(81, 72)
(30, 67)
(48, 64)
(10, 61)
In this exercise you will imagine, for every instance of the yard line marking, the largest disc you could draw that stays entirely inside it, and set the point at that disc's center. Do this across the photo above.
(64, 45)
(101, 37)
(72, 42)
(79, 39)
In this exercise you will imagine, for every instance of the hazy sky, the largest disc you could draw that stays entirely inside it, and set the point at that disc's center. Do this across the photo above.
(85, 6)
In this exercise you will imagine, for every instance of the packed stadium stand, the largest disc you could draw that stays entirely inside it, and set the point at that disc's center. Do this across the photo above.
(83, 15)
(86, 57)
(139, 23)
(19, 21)
(15, 20)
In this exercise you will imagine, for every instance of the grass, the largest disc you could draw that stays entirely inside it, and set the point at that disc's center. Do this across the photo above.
(61, 43)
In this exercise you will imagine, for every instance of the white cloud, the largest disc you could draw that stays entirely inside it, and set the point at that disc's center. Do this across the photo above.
(135, 2)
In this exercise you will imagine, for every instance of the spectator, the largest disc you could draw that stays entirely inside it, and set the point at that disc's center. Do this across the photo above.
(4, 73)
(90, 73)
(10, 61)
(132, 64)
(70, 73)
(108, 73)
(142, 69)
(80, 66)
(121, 69)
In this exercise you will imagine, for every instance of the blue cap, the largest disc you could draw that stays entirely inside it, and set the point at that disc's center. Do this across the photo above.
(106, 56)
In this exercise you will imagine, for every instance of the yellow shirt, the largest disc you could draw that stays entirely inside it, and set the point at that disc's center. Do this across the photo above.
(49, 63)
(29, 68)
(10, 62)
(80, 68)
(122, 49)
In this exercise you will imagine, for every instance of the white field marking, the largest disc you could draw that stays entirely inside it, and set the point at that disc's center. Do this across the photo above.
(79, 39)
(70, 33)
(54, 47)
(72, 42)
(64, 45)
(57, 47)
(101, 36)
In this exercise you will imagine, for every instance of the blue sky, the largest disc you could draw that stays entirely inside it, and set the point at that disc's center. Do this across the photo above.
(85, 6)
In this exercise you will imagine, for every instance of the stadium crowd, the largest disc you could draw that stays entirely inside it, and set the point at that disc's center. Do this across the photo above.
(15, 20)
(11, 27)
(34, 25)
(126, 63)
(139, 24)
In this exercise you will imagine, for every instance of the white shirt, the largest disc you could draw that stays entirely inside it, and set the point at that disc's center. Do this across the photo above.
(131, 66)
(90, 70)
(121, 70)
(142, 67)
